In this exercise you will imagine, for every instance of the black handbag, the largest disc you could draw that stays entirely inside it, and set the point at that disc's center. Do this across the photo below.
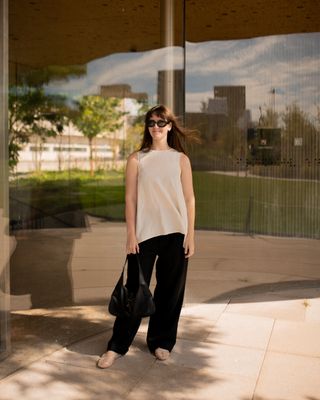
(124, 303)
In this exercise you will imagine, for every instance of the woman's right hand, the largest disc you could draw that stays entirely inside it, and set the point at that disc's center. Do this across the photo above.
(132, 244)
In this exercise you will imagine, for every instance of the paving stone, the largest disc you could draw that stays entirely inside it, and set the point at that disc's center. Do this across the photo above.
(94, 278)
(171, 382)
(248, 277)
(242, 330)
(265, 264)
(219, 358)
(313, 310)
(205, 264)
(54, 380)
(86, 354)
(209, 312)
(91, 294)
(83, 249)
(288, 377)
(97, 263)
(296, 338)
(268, 305)
(202, 291)
(189, 328)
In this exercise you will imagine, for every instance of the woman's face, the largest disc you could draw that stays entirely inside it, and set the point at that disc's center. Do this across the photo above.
(158, 133)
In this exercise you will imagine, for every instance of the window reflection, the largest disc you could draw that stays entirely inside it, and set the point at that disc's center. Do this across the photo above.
(83, 121)
(70, 137)
(71, 130)
(256, 104)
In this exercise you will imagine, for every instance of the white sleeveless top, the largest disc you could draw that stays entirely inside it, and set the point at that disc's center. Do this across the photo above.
(161, 207)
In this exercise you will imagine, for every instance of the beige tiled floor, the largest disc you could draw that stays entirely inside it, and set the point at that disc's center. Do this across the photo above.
(289, 377)
(249, 328)
(296, 337)
(242, 330)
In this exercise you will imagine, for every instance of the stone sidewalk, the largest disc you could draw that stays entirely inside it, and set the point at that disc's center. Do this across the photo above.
(249, 330)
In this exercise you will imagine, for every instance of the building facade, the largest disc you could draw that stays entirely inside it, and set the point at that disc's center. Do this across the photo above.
(221, 70)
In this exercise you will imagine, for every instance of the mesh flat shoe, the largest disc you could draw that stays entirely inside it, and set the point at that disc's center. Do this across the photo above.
(107, 359)
(162, 354)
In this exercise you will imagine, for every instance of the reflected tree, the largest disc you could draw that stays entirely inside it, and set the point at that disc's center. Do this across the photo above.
(33, 113)
(98, 115)
(301, 141)
(135, 131)
(268, 118)
(37, 78)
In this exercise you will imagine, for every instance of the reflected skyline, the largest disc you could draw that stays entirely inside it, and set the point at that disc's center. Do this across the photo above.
(290, 64)
(287, 64)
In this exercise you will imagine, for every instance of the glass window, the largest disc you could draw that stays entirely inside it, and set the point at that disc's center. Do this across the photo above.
(76, 104)
(256, 104)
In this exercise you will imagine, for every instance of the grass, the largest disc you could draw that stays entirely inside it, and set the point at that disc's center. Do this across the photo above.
(258, 205)
(53, 193)
(230, 203)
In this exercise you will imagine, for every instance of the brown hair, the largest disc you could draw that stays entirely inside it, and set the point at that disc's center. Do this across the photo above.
(177, 136)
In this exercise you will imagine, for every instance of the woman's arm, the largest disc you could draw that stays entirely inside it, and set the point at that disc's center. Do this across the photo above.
(131, 203)
(187, 186)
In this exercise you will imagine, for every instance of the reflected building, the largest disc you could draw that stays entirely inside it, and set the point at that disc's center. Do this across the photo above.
(233, 99)
(223, 124)
(123, 91)
(70, 149)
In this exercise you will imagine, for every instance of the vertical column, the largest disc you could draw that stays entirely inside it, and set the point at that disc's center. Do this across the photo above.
(171, 81)
(4, 196)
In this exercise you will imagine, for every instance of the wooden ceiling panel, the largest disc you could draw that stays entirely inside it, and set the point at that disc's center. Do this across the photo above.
(47, 32)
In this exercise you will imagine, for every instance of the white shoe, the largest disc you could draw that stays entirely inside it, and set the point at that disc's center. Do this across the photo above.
(107, 359)
(162, 354)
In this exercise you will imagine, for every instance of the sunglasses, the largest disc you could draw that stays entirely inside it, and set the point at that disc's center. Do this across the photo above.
(161, 123)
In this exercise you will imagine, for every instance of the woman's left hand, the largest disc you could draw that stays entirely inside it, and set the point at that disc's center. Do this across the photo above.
(188, 246)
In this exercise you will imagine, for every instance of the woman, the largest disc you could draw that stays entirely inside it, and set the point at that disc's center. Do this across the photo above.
(160, 213)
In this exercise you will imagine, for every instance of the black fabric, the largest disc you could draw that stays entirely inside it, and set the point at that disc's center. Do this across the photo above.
(171, 272)
(137, 302)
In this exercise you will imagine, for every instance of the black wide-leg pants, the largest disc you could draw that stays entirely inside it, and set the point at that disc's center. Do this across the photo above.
(171, 272)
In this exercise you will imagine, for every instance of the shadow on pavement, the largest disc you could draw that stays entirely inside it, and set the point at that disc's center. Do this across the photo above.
(289, 290)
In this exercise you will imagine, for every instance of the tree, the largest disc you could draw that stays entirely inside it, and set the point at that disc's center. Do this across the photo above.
(300, 137)
(300, 143)
(97, 115)
(135, 131)
(36, 78)
(32, 112)
(269, 118)
(204, 106)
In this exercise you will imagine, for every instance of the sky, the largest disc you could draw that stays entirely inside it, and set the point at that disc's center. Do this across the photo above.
(289, 64)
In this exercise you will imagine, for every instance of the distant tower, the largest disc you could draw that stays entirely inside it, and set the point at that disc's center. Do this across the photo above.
(273, 100)
(236, 100)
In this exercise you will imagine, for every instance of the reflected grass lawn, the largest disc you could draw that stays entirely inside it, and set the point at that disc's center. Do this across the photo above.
(230, 203)
(258, 205)
(52, 193)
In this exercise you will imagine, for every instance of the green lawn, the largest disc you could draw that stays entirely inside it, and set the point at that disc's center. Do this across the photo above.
(230, 203)
(258, 205)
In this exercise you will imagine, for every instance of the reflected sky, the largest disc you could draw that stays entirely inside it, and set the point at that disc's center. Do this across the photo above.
(139, 69)
(290, 64)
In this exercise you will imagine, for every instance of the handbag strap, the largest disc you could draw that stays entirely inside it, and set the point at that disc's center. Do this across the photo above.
(141, 276)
